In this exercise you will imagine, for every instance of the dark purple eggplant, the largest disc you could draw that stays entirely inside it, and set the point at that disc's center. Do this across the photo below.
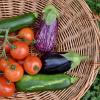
(54, 63)
(47, 34)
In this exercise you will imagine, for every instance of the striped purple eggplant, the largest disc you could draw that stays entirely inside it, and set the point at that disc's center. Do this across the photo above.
(47, 34)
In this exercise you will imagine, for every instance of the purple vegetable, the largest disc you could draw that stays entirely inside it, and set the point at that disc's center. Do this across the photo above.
(47, 35)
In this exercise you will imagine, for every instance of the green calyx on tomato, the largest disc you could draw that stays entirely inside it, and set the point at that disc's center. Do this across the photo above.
(36, 68)
(20, 51)
(13, 47)
(8, 81)
(13, 67)
(6, 59)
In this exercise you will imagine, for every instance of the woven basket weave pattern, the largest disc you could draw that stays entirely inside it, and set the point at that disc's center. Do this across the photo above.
(77, 32)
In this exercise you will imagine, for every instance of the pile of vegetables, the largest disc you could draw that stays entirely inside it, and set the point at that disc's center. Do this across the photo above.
(22, 71)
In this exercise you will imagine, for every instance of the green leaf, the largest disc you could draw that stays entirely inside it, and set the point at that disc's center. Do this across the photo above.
(87, 96)
(94, 5)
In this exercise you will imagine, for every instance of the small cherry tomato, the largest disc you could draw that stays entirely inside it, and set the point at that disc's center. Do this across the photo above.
(26, 34)
(4, 63)
(32, 65)
(20, 50)
(7, 88)
(7, 48)
(14, 72)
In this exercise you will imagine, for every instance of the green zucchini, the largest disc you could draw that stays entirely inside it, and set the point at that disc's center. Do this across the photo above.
(17, 22)
(42, 82)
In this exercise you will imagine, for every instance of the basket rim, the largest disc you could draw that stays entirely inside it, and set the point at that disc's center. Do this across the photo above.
(95, 68)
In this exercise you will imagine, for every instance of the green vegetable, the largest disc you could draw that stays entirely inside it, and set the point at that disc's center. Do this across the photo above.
(17, 22)
(42, 82)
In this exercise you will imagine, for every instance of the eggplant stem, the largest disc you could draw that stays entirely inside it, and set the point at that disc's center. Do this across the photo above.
(84, 58)
(75, 58)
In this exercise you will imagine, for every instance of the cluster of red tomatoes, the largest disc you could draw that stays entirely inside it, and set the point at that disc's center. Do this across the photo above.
(19, 62)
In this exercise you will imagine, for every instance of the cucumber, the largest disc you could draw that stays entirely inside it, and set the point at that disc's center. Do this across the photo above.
(17, 22)
(42, 82)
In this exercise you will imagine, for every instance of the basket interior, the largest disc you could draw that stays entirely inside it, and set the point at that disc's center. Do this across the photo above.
(75, 33)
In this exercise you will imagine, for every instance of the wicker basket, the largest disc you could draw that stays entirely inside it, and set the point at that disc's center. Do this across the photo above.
(77, 32)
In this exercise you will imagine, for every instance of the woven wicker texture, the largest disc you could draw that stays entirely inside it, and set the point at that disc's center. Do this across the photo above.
(77, 32)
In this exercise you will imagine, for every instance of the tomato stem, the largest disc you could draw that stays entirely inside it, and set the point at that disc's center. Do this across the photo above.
(13, 47)
(2, 36)
(36, 68)
(8, 81)
(33, 42)
(6, 41)
(13, 67)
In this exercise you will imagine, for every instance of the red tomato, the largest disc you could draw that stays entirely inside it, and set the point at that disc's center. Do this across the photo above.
(4, 63)
(32, 65)
(14, 72)
(7, 48)
(7, 88)
(27, 34)
(21, 62)
(20, 51)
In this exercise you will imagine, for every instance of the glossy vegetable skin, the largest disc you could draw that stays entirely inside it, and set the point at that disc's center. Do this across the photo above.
(18, 22)
(55, 63)
(14, 72)
(47, 35)
(58, 63)
(4, 63)
(46, 38)
(42, 82)
(32, 65)
(7, 88)
(26, 34)
(20, 50)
